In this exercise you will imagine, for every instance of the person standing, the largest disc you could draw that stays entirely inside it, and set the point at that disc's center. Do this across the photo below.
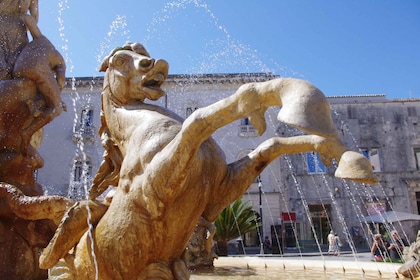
(267, 245)
(330, 238)
(337, 245)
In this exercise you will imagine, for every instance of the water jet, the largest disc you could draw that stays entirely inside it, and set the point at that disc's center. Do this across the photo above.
(140, 197)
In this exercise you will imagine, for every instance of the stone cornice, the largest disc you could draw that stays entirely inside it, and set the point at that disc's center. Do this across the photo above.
(239, 78)
(84, 82)
(236, 79)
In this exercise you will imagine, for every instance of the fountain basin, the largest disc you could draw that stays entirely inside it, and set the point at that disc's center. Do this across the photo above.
(297, 267)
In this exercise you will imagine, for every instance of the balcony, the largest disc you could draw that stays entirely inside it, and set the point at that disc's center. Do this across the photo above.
(247, 131)
(77, 190)
(85, 134)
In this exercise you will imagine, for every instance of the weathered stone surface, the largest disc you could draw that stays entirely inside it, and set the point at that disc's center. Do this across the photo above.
(410, 268)
(170, 172)
(199, 251)
(31, 78)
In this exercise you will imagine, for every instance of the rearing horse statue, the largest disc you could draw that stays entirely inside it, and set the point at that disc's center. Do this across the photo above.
(169, 171)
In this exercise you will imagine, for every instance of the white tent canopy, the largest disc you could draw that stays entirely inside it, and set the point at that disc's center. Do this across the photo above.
(390, 217)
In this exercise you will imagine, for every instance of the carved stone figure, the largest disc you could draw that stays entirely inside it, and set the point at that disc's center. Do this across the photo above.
(199, 251)
(29, 100)
(169, 171)
(411, 265)
(13, 36)
(32, 74)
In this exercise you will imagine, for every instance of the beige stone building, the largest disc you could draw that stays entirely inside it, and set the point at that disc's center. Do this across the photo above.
(295, 191)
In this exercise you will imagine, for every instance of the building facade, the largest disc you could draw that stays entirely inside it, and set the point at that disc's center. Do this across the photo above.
(298, 197)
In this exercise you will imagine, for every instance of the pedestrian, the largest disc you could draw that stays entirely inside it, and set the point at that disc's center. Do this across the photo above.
(379, 248)
(267, 244)
(330, 238)
(337, 245)
(396, 246)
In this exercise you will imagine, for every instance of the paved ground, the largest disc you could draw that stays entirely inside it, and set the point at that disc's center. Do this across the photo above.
(358, 254)
(346, 254)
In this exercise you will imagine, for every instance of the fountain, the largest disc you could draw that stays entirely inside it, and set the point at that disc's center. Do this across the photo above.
(151, 199)
(32, 76)
(169, 172)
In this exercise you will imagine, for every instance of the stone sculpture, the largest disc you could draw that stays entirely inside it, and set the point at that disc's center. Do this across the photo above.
(32, 74)
(410, 268)
(199, 251)
(169, 171)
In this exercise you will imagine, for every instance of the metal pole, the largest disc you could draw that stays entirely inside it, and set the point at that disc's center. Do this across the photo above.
(261, 214)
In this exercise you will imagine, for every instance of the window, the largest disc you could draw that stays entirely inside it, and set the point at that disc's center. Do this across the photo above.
(411, 111)
(189, 111)
(373, 156)
(412, 115)
(245, 121)
(351, 113)
(246, 129)
(314, 163)
(82, 170)
(81, 177)
(417, 157)
(86, 117)
(84, 130)
(398, 118)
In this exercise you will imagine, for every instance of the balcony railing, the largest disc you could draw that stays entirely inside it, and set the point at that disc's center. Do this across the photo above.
(247, 131)
(85, 133)
(77, 190)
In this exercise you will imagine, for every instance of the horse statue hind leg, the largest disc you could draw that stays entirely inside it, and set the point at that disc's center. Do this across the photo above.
(302, 106)
(305, 107)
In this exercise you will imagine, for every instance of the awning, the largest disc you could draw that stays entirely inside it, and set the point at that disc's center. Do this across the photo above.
(390, 217)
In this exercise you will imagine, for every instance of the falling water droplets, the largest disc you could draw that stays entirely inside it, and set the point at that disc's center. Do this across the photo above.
(117, 34)
(63, 5)
(212, 50)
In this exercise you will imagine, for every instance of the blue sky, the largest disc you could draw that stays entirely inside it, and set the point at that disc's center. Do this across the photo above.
(345, 47)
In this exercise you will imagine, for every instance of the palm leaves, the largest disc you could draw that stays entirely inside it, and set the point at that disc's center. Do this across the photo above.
(234, 221)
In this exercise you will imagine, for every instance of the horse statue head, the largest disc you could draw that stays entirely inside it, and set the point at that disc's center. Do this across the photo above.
(131, 74)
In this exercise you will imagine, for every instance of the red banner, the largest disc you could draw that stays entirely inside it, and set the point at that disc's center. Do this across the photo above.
(288, 216)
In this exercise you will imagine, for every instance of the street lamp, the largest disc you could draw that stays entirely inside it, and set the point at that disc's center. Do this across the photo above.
(261, 215)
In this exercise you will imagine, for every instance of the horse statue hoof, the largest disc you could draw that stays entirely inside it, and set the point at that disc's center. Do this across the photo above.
(355, 166)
